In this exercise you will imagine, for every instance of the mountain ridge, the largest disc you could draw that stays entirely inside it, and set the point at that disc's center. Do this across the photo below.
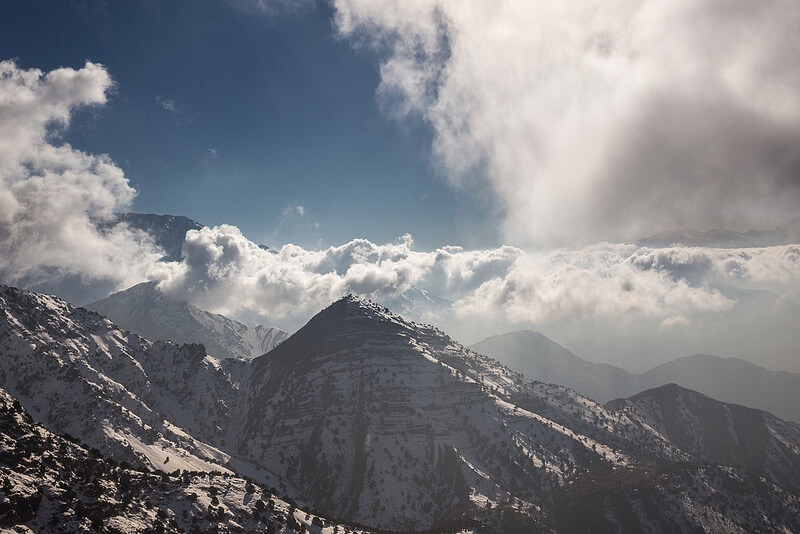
(366, 416)
(145, 310)
(785, 234)
(728, 379)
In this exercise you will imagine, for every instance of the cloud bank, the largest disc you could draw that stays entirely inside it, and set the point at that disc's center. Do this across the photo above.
(600, 120)
(224, 271)
(52, 196)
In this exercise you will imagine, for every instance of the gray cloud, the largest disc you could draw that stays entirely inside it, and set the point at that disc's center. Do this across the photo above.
(605, 119)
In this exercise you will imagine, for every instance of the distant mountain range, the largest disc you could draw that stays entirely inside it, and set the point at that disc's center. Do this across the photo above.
(146, 311)
(364, 416)
(785, 234)
(728, 379)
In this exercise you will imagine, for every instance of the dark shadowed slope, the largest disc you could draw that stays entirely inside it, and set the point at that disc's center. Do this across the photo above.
(732, 380)
(719, 432)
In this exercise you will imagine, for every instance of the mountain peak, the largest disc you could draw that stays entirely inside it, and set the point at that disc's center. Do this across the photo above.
(354, 307)
(145, 310)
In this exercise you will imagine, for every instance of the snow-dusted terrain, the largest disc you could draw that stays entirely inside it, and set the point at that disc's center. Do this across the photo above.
(364, 416)
(145, 310)
(52, 484)
(715, 431)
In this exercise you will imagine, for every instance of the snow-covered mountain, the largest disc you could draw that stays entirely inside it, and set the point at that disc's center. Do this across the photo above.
(786, 234)
(50, 483)
(145, 310)
(365, 416)
(393, 424)
(418, 304)
(133, 399)
(727, 379)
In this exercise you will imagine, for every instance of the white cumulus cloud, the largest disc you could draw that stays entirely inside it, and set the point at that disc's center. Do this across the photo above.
(52, 196)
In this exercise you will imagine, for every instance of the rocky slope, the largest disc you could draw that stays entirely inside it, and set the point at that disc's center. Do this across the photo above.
(133, 399)
(713, 431)
(49, 483)
(145, 310)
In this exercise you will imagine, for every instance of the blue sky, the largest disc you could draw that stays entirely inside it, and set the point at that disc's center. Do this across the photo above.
(233, 117)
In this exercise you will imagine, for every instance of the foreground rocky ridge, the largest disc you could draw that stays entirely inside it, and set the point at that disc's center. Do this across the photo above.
(383, 422)
(50, 483)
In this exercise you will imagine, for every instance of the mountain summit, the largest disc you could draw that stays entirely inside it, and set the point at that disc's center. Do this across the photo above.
(145, 310)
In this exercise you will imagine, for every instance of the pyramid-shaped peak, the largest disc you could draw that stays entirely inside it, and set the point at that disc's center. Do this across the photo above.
(353, 318)
(356, 305)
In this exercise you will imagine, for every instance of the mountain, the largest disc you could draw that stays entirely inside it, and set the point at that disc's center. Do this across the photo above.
(51, 483)
(418, 304)
(720, 432)
(133, 399)
(393, 424)
(785, 234)
(732, 380)
(727, 379)
(367, 417)
(168, 231)
(145, 310)
(541, 358)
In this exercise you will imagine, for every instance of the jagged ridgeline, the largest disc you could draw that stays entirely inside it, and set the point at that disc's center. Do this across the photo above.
(369, 419)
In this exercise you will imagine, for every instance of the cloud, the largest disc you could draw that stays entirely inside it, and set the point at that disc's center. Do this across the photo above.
(269, 7)
(52, 196)
(168, 104)
(599, 280)
(224, 271)
(600, 120)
